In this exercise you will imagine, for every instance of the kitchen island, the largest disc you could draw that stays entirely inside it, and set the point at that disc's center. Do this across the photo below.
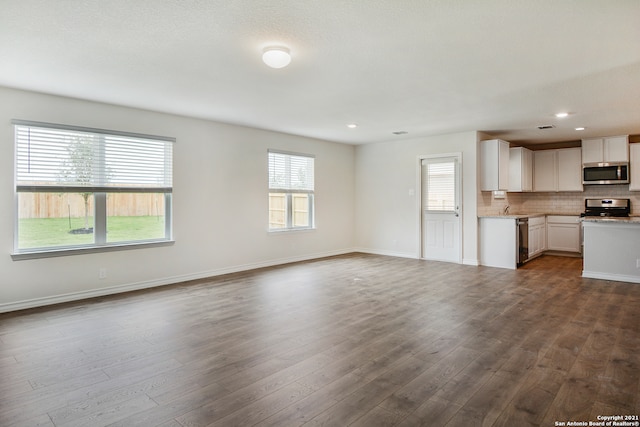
(612, 249)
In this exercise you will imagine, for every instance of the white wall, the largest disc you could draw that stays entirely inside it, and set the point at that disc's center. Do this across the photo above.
(219, 204)
(387, 216)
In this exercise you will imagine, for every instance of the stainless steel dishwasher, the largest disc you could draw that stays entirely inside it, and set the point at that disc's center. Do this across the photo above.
(522, 240)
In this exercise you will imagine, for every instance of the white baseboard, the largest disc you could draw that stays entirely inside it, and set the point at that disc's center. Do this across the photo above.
(610, 276)
(473, 262)
(75, 296)
(385, 253)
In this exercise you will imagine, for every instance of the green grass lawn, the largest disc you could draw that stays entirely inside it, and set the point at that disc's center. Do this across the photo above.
(52, 232)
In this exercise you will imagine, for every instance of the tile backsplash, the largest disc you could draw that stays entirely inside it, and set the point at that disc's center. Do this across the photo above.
(570, 203)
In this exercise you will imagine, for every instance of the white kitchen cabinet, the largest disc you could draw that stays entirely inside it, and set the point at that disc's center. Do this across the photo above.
(563, 233)
(537, 235)
(544, 170)
(520, 169)
(634, 167)
(569, 169)
(609, 149)
(494, 165)
(557, 170)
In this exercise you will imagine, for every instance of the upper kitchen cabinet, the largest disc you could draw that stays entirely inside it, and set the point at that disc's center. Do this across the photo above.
(545, 170)
(557, 170)
(570, 169)
(520, 169)
(634, 167)
(609, 149)
(494, 165)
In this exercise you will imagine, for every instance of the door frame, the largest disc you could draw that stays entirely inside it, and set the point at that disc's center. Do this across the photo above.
(421, 230)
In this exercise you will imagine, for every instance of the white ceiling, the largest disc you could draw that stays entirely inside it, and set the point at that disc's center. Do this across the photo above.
(426, 67)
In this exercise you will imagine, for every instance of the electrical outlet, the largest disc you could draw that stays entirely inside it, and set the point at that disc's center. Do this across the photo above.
(102, 273)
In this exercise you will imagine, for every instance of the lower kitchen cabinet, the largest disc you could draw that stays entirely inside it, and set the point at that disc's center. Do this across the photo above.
(563, 233)
(537, 236)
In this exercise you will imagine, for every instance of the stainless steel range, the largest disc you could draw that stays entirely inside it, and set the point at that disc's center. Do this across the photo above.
(607, 207)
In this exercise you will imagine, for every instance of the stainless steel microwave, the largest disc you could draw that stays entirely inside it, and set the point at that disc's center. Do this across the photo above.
(605, 173)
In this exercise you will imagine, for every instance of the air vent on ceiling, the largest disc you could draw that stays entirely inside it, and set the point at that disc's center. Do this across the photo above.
(546, 127)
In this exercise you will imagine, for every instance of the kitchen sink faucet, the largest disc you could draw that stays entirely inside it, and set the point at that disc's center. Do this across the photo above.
(505, 211)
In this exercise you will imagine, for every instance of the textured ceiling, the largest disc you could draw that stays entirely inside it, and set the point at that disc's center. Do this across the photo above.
(426, 67)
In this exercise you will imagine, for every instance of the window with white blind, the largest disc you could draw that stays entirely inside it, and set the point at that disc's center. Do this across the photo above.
(79, 188)
(439, 186)
(291, 189)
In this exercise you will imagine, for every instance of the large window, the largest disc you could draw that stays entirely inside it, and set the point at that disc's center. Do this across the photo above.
(80, 188)
(290, 191)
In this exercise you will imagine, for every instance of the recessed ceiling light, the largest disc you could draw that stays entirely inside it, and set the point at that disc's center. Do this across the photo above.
(352, 125)
(580, 128)
(276, 56)
(561, 115)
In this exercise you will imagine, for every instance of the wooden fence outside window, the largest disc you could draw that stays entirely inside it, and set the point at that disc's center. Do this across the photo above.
(56, 205)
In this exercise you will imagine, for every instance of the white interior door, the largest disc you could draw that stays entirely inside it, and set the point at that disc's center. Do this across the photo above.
(441, 209)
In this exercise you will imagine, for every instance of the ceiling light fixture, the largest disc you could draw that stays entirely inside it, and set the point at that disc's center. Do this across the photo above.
(580, 128)
(352, 125)
(561, 115)
(276, 56)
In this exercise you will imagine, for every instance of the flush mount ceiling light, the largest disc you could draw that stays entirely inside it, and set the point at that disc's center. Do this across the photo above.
(352, 125)
(276, 56)
(561, 115)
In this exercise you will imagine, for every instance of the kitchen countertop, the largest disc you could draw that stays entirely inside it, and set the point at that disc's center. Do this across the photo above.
(633, 219)
(529, 215)
(510, 216)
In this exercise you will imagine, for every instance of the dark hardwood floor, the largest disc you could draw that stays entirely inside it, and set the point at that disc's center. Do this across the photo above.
(358, 340)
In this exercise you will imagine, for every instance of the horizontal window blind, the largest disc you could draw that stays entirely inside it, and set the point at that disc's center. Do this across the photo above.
(291, 172)
(439, 186)
(63, 159)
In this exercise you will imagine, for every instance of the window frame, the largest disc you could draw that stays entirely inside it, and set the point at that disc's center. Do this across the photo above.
(99, 193)
(288, 191)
